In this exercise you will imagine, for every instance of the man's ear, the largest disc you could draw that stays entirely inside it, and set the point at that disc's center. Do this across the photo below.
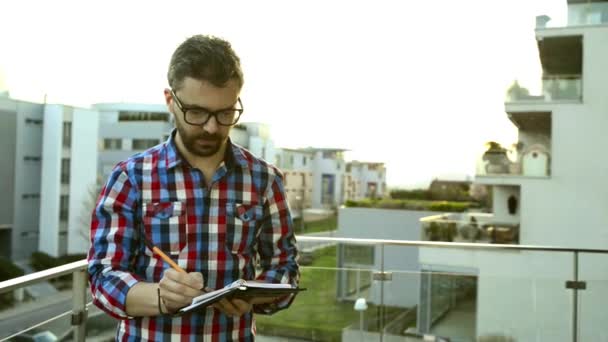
(168, 97)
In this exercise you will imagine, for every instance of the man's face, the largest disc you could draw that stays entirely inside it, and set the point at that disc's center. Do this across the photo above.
(206, 140)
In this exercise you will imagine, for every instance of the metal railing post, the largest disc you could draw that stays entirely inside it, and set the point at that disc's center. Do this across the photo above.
(79, 305)
(575, 301)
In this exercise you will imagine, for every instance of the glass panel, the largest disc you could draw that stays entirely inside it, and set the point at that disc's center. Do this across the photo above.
(326, 311)
(593, 300)
(480, 295)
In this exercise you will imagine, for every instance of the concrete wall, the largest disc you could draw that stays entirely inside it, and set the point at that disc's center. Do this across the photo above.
(83, 177)
(500, 208)
(404, 289)
(50, 190)
(8, 122)
(27, 180)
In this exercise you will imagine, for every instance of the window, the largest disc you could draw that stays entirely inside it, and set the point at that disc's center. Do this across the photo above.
(33, 121)
(28, 196)
(112, 144)
(142, 116)
(329, 155)
(31, 158)
(63, 208)
(144, 144)
(304, 160)
(67, 134)
(65, 171)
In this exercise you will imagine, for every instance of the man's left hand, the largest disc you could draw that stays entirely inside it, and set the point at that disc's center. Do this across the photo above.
(233, 307)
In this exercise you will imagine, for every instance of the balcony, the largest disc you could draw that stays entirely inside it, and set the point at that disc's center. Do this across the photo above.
(502, 166)
(555, 89)
(359, 289)
(468, 227)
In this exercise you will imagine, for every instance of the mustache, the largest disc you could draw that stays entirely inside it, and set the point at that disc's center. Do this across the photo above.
(209, 136)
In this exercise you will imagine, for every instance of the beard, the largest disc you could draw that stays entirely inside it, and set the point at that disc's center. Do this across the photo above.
(201, 144)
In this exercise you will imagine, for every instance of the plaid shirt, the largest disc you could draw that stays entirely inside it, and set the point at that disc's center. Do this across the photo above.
(221, 230)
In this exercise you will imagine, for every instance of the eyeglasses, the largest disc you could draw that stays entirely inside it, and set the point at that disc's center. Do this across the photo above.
(199, 116)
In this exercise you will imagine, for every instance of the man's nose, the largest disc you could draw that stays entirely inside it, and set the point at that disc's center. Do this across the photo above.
(211, 126)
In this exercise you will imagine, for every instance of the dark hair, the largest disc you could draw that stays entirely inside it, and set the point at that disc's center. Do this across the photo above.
(207, 58)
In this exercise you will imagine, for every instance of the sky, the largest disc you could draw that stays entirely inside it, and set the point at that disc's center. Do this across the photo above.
(418, 85)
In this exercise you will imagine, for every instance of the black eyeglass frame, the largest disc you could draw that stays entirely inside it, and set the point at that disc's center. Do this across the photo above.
(214, 114)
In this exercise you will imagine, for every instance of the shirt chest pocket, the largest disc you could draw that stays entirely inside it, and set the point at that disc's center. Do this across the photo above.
(165, 225)
(243, 220)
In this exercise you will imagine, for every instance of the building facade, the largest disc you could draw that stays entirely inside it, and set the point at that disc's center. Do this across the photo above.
(129, 128)
(21, 124)
(548, 191)
(369, 179)
(69, 166)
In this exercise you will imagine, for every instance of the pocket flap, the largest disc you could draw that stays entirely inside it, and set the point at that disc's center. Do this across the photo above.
(246, 212)
(163, 210)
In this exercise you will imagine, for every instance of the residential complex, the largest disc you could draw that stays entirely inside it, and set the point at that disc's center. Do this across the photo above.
(548, 191)
(59, 156)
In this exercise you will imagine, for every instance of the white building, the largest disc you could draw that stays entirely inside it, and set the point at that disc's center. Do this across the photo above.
(21, 128)
(69, 166)
(325, 167)
(370, 179)
(552, 192)
(297, 168)
(129, 128)
(255, 137)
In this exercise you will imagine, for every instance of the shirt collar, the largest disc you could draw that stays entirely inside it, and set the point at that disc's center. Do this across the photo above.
(233, 155)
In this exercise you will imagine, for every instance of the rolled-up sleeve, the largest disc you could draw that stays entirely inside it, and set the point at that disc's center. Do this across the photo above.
(277, 246)
(113, 244)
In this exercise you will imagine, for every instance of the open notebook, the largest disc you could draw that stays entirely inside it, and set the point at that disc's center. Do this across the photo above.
(240, 289)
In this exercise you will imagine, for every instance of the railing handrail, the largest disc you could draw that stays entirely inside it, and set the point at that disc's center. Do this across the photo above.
(453, 245)
(15, 283)
(70, 268)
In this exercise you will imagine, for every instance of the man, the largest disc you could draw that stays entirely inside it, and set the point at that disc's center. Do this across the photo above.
(209, 204)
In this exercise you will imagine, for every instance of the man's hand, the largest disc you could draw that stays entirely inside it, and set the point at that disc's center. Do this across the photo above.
(177, 289)
(233, 307)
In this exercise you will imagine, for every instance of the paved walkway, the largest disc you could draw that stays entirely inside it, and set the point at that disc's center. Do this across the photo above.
(459, 323)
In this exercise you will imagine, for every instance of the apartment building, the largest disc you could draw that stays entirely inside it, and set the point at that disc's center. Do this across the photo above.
(129, 128)
(369, 179)
(68, 174)
(320, 170)
(297, 170)
(255, 137)
(21, 128)
(549, 191)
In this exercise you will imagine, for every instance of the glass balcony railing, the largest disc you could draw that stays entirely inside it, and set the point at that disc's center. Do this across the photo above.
(554, 88)
(384, 290)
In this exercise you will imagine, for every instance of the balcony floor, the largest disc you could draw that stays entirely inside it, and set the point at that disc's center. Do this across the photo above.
(459, 323)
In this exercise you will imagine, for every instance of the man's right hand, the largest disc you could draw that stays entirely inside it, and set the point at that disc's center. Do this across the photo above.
(177, 289)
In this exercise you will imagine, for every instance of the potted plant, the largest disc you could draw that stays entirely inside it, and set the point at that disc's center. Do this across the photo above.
(496, 158)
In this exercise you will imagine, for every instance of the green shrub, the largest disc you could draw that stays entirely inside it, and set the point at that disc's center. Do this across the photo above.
(449, 206)
(412, 205)
(41, 261)
(8, 270)
(417, 194)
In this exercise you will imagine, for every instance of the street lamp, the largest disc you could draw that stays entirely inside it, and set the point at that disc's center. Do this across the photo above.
(361, 306)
